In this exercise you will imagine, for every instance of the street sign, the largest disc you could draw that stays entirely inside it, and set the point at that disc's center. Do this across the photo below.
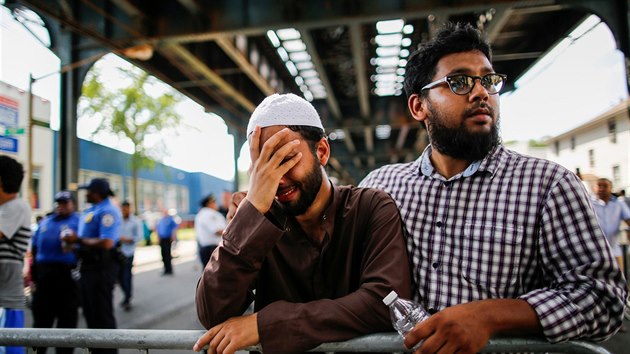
(14, 131)
(8, 144)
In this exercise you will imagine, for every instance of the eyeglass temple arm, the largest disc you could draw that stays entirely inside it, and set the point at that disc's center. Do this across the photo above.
(434, 83)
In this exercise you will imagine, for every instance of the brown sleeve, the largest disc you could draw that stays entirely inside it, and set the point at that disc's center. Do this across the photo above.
(224, 289)
(294, 327)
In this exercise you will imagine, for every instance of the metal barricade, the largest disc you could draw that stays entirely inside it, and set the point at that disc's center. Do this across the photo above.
(144, 340)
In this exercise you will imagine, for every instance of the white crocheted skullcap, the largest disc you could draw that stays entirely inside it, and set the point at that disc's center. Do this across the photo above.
(286, 109)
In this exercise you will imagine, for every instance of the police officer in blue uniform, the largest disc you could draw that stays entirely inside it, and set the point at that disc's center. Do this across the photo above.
(98, 235)
(56, 295)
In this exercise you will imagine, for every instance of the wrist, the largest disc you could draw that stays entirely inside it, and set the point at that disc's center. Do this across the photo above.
(508, 316)
(259, 206)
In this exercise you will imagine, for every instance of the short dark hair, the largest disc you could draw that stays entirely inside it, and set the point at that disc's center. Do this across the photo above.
(125, 204)
(603, 179)
(11, 174)
(452, 38)
(209, 198)
(311, 134)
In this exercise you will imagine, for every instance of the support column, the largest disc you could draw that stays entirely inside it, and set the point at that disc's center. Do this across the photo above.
(239, 140)
(68, 147)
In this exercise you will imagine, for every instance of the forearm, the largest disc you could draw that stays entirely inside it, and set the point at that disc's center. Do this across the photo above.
(125, 239)
(224, 289)
(467, 327)
(98, 243)
(508, 316)
(286, 327)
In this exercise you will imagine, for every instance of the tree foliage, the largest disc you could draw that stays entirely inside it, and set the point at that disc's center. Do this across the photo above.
(141, 107)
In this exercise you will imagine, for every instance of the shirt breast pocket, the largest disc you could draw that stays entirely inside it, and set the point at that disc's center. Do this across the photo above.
(492, 254)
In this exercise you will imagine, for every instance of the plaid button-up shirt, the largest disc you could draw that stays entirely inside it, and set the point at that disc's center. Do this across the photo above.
(509, 226)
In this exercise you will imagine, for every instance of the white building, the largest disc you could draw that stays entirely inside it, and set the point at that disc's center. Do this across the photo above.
(14, 142)
(527, 148)
(597, 148)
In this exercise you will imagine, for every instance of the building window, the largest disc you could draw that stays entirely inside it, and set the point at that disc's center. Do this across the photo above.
(591, 158)
(556, 147)
(612, 131)
(572, 143)
(616, 175)
(35, 184)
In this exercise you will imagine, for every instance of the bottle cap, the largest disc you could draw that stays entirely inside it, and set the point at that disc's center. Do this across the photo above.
(391, 297)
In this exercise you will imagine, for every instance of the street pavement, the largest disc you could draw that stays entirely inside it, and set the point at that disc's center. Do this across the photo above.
(167, 302)
(159, 302)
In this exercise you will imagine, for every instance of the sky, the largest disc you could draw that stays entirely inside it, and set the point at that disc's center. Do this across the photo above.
(581, 77)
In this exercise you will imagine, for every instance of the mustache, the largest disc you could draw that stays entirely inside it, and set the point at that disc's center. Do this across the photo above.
(480, 106)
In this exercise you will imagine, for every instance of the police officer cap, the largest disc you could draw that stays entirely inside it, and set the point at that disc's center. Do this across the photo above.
(98, 185)
(63, 196)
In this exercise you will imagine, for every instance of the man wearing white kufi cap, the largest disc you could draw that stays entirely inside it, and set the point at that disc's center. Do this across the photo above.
(321, 257)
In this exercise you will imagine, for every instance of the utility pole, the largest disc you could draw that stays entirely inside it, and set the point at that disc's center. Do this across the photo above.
(29, 172)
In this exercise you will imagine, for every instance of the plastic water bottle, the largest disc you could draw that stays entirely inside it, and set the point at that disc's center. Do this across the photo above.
(405, 314)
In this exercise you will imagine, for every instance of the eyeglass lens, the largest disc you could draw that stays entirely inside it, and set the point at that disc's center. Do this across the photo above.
(463, 84)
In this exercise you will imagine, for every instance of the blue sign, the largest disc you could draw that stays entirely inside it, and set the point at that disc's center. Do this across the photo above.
(8, 144)
(8, 112)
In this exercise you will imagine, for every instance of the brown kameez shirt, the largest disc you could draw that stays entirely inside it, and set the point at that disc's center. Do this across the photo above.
(309, 293)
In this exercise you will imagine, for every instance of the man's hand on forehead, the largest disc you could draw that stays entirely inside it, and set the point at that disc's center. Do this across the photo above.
(270, 162)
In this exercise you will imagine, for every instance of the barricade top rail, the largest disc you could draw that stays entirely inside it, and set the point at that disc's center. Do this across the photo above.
(145, 339)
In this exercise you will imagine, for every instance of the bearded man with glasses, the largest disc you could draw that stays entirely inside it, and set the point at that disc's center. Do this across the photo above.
(500, 243)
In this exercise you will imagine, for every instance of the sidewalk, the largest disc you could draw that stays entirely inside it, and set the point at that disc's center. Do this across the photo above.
(155, 297)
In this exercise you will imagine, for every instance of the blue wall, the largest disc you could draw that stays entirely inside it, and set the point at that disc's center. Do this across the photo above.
(97, 157)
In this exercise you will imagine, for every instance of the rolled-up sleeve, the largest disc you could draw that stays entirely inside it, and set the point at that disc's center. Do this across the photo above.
(584, 293)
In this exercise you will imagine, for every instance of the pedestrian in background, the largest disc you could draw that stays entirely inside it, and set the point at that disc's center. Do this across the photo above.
(56, 295)
(209, 225)
(623, 197)
(146, 231)
(15, 233)
(130, 235)
(226, 197)
(166, 229)
(98, 233)
(611, 211)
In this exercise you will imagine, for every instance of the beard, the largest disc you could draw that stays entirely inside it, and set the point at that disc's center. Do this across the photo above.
(458, 142)
(308, 188)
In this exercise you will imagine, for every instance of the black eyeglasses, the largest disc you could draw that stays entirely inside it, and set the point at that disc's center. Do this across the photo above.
(462, 84)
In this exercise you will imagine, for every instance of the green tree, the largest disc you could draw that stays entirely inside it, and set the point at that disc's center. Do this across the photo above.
(142, 107)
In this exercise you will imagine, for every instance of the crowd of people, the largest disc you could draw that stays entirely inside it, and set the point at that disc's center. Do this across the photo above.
(489, 241)
(77, 258)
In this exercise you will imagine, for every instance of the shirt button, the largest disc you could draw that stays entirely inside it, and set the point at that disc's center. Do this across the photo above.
(435, 265)
(438, 224)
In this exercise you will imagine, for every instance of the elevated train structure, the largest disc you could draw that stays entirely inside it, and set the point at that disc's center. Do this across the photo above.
(347, 56)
